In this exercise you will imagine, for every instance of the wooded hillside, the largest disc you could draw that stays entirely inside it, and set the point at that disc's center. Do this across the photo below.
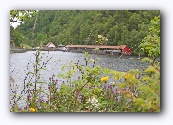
(83, 27)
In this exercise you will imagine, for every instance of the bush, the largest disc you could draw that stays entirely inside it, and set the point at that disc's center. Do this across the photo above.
(25, 46)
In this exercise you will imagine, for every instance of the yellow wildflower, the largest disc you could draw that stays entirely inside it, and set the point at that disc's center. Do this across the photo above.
(129, 76)
(32, 110)
(104, 79)
(125, 76)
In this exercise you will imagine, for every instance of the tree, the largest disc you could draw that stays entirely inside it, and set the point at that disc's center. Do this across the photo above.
(83, 26)
(151, 43)
(19, 16)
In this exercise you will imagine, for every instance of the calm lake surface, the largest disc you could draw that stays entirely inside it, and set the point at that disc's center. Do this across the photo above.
(22, 63)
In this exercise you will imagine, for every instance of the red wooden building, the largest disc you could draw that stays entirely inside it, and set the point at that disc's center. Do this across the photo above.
(125, 49)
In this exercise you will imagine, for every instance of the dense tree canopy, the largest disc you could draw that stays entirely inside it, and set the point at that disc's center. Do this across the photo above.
(83, 27)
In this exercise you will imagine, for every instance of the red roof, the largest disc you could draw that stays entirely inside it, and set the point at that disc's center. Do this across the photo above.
(122, 46)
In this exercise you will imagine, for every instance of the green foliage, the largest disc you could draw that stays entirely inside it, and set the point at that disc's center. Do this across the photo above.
(151, 43)
(150, 69)
(146, 59)
(84, 26)
(25, 46)
(101, 40)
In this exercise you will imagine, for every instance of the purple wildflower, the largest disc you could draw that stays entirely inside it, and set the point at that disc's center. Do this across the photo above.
(109, 86)
(56, 81)
(116, 98)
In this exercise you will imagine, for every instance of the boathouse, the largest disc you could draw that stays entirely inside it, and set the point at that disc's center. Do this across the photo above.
(123, 49)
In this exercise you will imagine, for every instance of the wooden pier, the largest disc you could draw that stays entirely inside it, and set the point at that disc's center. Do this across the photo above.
(25, 50)
(100, 49)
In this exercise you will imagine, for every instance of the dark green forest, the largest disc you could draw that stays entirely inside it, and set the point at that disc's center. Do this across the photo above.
(83, 27)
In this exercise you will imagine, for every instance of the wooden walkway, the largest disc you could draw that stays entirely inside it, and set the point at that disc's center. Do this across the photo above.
(96, 46)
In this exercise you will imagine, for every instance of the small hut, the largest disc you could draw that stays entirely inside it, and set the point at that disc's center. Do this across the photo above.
(125, 50)
(50, 45)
